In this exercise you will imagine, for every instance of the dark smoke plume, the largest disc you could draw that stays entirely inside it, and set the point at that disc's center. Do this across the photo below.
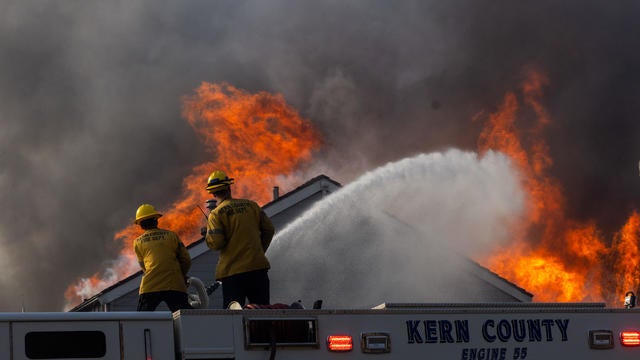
(90, 92)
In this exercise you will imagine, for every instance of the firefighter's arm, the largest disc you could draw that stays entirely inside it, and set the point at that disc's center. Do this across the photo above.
(267, 230)
(215, 236)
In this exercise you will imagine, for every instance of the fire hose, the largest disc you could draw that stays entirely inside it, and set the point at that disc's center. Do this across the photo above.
(200, 300)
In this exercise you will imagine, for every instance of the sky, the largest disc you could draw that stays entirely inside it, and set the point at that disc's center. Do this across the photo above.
(91, 113)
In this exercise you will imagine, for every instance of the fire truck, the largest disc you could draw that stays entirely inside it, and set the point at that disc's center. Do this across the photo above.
(491, 331)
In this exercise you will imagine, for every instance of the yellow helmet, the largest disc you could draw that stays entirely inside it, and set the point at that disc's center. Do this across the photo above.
(218, 180)
(146, 211)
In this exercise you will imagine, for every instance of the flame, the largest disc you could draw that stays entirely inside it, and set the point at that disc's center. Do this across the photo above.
(625, 248)
(257, 139)
(551, 256)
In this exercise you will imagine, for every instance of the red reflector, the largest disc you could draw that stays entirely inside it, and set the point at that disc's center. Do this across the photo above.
(339, 343)
(630, 338)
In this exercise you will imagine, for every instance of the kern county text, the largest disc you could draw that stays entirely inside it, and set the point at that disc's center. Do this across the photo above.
(502, 338)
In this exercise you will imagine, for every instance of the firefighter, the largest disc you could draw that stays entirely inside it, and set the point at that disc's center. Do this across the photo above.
(164, 261)
(242, 232)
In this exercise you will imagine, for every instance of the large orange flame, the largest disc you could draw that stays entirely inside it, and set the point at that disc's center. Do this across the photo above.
(555, 258)
(258, 139)
(625, 249)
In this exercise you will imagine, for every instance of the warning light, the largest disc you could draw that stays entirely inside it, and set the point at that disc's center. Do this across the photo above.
(339, 343)
(630, 338)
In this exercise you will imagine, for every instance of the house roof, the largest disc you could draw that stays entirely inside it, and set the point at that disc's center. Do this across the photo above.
(490, 277)
(320, 183)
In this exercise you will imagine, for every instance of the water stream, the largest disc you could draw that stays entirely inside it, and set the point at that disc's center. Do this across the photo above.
(403, 232)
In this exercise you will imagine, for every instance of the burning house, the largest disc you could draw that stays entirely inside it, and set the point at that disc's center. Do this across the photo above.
(498, 208)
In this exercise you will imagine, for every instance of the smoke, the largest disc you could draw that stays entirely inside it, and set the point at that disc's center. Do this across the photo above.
(90, 123)
(365, 244)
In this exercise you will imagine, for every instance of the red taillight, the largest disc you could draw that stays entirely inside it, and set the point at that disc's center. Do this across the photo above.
(339, 343)
(630, 338)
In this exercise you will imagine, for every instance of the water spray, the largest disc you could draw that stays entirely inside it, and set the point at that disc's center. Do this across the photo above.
(403, 217)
